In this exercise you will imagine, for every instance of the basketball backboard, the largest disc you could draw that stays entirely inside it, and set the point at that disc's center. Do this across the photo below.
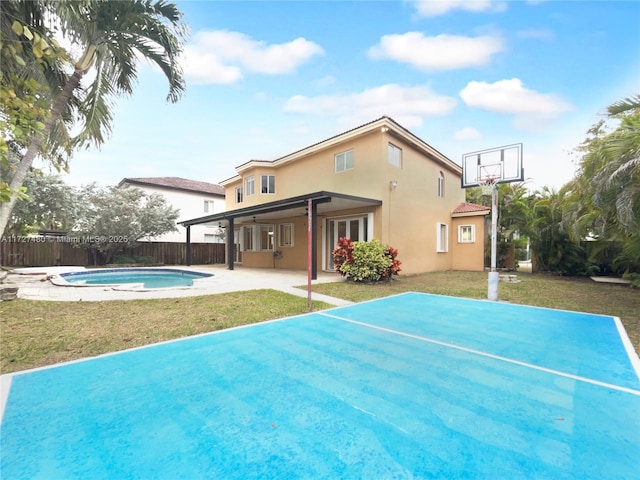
(499, 165)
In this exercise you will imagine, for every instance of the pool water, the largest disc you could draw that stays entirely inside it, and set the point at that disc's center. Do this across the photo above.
(150, 277)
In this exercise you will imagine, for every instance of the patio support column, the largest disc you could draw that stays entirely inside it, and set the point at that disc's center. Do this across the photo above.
(314, 241)
(188, 245)
(230, 244)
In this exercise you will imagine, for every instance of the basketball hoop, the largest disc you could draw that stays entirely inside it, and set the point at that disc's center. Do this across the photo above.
(487, 183)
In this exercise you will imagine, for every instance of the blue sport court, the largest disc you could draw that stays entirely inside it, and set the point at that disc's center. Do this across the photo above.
(412, 386)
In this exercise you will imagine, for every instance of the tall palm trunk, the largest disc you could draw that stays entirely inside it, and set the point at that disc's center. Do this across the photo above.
(27, 160)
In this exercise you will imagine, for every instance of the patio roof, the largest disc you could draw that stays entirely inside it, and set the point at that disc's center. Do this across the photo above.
(326, 202)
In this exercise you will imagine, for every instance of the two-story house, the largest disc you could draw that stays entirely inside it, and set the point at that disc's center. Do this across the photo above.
(378, 180)
(193, 198)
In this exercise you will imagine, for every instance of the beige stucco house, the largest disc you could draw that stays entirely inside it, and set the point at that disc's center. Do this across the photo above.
(378, 180)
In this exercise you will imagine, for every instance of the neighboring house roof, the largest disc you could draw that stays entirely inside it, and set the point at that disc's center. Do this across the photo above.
(176, 183)
(386, 123)
(468, 209)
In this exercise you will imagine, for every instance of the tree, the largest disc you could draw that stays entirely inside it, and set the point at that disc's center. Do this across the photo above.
(31, 72)
(604, 204)
(52, 205)
(115, 218)
(111, 35)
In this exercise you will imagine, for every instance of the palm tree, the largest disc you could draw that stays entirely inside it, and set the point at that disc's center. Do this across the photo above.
(111, 35)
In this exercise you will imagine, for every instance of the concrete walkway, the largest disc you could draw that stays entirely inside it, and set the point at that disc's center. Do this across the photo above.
(34, 284)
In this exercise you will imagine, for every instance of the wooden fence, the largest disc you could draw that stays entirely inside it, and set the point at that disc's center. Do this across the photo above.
(51, 251)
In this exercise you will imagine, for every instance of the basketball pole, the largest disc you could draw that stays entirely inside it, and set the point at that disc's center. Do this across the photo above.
(494, 277)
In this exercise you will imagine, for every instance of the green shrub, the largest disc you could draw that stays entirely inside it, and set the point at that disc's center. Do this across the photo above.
(365, 261)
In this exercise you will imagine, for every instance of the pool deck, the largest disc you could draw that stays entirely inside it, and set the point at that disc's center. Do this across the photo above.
(34, 284)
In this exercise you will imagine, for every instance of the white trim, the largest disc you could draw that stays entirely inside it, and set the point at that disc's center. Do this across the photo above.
(439, 247)
(473, 234)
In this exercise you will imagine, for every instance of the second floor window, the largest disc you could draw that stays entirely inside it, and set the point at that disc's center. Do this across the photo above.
(238, 194)
(208, 206)
(344, 161)
(249, 186)
(394, 155)
(268, 184)
(441, 184)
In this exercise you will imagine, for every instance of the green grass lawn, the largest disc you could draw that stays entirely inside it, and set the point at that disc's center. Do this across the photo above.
(36, 333)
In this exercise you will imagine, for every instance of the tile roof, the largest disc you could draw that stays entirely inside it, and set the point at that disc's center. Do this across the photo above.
(467, 207)
(177, 183)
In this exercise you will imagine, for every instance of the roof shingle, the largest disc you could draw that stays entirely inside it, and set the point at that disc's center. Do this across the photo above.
(177, 183)
(468, 207)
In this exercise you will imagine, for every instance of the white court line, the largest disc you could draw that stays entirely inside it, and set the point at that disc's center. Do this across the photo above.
(489, 355)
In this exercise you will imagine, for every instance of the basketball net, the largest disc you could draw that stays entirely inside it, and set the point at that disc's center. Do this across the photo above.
(487, 183)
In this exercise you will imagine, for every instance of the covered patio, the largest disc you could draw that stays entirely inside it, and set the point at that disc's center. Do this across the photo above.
(311, 205)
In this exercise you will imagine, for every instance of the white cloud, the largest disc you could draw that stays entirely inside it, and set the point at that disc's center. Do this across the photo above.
(407, 105)
(442, 52)
(468, 133)
(434, 8)
(222, 56)
(529, 107)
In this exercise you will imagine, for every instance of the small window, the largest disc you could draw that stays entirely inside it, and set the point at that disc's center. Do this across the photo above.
(238, 194)
(442, 241)
(208, 206)
(285, 235)
(248, 239)
(466, 234)
(266, 237)
(441, 184)
(249, 186)
(344, 161)
(268, 184)
(395, 155)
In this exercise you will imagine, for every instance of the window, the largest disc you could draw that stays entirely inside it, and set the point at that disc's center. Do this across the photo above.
(441, 184)
(394, 155)
(208, 206)
(266, 237)
(442, 242)
(249, 186)
(268, 184)
(344, 161)
(285, 235)
(466, 234)
(238, 194)
(248, 239)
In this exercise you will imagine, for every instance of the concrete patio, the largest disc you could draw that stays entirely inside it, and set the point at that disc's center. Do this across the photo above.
(33, 284)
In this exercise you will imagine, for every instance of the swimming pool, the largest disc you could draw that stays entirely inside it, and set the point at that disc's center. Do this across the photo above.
(147, 277)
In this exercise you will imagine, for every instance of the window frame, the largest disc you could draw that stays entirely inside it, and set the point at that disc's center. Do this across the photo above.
(348, 161)
(440, 228)
(270, 230)
(249, 182)
(441, 184)
(282, 235)
(239, 194)
(394, 151)
(209, 204)
(248, 237)
(472, 230)
(262, 184)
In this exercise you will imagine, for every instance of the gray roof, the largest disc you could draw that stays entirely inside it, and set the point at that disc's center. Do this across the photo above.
(176, 183)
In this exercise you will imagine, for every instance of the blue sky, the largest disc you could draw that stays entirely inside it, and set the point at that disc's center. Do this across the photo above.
(267, 78)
